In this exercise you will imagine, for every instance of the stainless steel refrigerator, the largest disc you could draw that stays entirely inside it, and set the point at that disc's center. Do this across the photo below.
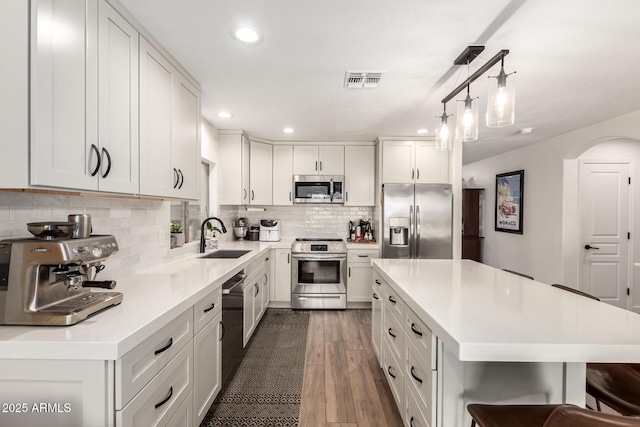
(417, 221)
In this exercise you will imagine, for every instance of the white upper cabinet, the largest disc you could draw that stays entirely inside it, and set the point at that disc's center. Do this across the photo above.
(156, 75)
(260, 173)
(359, 175)
(169, 128)
(64, 94)
(185, 144)
(117, 102)
(283, 175)
(408, 162)
(84, 97)
(318, 160)
(233, 169)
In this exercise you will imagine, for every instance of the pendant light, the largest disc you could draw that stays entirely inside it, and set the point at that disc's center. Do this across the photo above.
(501, 99)
(467, 124)
(444, 140)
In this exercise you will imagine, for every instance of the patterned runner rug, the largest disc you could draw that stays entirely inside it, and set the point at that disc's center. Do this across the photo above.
(267, 388)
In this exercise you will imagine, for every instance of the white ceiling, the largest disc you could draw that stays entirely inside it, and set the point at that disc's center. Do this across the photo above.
(577, 62)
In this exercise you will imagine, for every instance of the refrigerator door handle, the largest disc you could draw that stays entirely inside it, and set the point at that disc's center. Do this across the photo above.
(417, 231)
(411, 232)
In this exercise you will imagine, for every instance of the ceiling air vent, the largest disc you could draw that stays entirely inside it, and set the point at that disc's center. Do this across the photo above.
(362, 79)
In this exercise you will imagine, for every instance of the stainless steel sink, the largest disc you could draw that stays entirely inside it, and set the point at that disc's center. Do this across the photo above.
(225, 254)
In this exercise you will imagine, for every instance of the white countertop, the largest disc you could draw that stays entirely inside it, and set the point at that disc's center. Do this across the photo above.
(151, 299)
(485, 314)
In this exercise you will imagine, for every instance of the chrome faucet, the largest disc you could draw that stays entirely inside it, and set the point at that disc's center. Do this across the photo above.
(224, 230)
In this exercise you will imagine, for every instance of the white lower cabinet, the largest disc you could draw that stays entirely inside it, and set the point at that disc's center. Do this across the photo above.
(281, 283)
(255, 296)
(407, 354)
(360, 274)
(207, 359)
(160, 399)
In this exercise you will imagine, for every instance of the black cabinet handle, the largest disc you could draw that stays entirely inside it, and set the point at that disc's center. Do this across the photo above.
(95, 171)
(587, 247)
(206, 310)
(391, 333)
(349, 271)
(166, 399)
(104, 151)
(389, 370)
(412, 173)
(346, 196)
(252, 195)
(316, 165)
(376, 296)
(165, 348)
(377, 282)
(222, 334)
(175, 171)
(417, 173)
(181, 179)
(414, 376)
(411, 422)
(288, 258)
(320, 164)
(393, 301)
(245, 193)
(415, 331)
(257, 289)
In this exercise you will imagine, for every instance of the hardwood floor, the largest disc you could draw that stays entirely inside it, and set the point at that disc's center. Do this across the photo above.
(343, 384)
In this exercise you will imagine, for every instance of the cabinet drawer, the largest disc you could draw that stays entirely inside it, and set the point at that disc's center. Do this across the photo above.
(362, 255)
(392, 330)
(184, 415)
(421, 336)
(136, 368)
(160, 399)
(206, 309)
(393, 302)
(254, 268)
(393, 372)
(421, 379)
(379, 284)
(413, 416)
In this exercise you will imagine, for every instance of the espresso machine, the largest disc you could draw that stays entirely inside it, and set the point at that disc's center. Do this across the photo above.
(49, 281)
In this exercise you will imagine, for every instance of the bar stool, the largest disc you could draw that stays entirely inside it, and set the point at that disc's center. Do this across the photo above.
(518, 274)
(544, 416)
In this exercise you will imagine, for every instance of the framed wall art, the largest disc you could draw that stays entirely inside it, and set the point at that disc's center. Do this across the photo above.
(509, 201)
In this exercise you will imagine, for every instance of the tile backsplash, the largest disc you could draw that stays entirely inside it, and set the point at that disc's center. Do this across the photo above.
(141, 227)
(300, 220)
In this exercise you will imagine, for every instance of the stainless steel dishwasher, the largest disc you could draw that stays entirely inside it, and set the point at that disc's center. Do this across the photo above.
(232, 317)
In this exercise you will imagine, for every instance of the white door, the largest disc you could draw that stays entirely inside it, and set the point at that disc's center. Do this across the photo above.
(331, 160)
(604, 207)
(359, 175)
(118, 102)
(156, 80)
(207, 361)
(305, 160)
(260, 174)
(432, 166)
(282, 175)
(398, 162)
(282, 277)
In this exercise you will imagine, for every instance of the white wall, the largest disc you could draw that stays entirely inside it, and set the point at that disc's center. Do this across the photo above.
(539, 250)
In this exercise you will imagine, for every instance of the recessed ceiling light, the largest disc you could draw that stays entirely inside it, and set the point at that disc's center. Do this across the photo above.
(247, 35)
(287, 130)
(526, 131)
(225, 115)
(422, 130)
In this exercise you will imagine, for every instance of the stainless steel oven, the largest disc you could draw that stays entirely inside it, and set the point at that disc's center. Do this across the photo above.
(318, 274)
(318, 189)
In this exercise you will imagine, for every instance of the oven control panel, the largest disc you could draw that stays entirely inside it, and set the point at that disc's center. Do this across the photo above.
(319, 247)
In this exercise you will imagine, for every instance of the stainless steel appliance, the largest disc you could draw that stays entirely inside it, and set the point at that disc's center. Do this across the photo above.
(269, 230)
(232, 317)
(318, 189)
(319, 274)
(46, 282)
(241, 228)
(417, 221)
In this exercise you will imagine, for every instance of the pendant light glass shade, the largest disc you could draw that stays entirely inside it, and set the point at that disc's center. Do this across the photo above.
(444, 140)
(501, 99)
(467, 123)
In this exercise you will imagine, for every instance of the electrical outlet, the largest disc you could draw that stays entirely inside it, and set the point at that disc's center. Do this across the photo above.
(160, 237)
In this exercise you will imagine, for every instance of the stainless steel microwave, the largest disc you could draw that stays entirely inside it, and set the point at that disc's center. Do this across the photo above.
(318, 189)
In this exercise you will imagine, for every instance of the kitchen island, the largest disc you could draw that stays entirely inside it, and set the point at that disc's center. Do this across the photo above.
(496, 337)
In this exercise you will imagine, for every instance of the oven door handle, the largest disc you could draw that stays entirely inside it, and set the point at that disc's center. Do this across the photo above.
(319, 257)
